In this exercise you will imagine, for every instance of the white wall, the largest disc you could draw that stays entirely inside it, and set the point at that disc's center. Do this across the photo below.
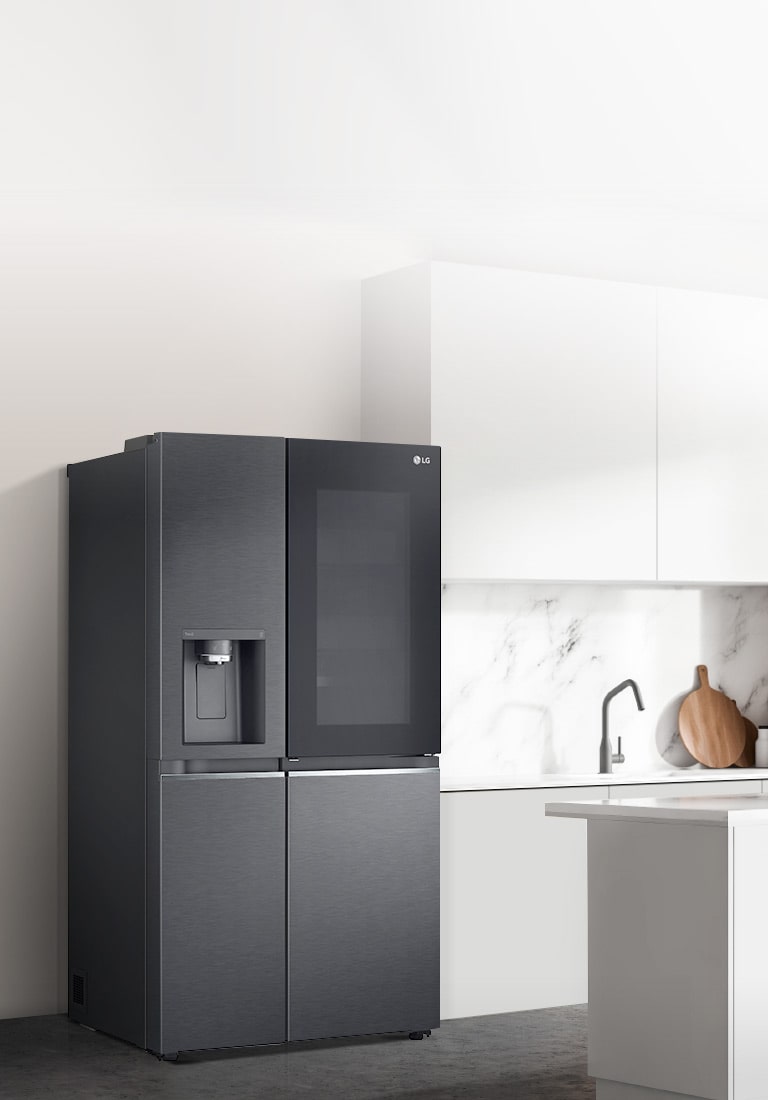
(525, 668)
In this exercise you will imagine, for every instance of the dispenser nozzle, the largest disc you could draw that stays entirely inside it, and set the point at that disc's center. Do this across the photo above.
(214, 651)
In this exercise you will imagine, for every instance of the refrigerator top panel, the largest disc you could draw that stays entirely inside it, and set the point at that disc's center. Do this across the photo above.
(363, 599)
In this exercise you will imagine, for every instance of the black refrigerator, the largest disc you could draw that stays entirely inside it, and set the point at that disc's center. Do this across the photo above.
(254, 718)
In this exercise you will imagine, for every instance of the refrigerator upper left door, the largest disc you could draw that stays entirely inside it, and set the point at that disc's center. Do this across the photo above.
(217, 537)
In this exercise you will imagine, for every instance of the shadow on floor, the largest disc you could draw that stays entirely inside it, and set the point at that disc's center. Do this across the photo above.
(517, 1056)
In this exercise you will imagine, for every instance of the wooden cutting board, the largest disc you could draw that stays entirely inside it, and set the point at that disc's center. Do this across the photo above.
(747, 758)
(710, 725)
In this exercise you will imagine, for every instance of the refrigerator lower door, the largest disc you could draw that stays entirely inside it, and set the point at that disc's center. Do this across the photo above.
(223, 910)
(364, 902)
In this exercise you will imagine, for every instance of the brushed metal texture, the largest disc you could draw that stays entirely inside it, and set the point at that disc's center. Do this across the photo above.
(364, 904)
(223, 563)
(223, 913)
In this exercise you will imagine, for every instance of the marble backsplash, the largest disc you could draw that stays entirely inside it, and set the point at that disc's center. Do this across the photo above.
(525, 668)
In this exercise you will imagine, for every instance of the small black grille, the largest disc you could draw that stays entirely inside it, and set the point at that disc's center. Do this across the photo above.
(78, 988)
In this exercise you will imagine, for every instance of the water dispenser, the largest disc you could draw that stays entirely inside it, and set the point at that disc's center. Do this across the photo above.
(224, 686)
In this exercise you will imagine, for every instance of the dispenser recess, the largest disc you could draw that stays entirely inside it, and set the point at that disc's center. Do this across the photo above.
(224, 686)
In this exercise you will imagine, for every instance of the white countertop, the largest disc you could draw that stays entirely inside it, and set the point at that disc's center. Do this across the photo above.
(722, 810)
(696, 774)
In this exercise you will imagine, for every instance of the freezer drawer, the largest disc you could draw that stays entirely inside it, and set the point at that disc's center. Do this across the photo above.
(223, 910)
(364, 902)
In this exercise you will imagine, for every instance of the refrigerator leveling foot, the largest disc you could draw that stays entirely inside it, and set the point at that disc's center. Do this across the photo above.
(419, 1034)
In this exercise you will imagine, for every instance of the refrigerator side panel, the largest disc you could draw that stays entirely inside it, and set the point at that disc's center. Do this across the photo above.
(223, 911)
(107, 745)
(364, 903)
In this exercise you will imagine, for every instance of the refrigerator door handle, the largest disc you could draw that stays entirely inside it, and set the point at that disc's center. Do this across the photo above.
(368, 771)
(222, 775)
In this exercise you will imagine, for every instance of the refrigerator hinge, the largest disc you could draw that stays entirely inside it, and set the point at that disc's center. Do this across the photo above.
(139, 442)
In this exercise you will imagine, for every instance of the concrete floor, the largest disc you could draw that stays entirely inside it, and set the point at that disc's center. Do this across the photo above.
(516, 1056)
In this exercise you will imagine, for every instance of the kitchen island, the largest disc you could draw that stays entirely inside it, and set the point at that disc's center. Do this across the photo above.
(678, 946)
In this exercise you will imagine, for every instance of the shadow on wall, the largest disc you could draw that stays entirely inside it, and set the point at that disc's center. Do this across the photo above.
(33, 754)
(734, 630)
(733, 644)
(668, 742)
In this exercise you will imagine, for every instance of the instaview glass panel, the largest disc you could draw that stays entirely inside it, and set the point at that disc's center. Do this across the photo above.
(363, 608)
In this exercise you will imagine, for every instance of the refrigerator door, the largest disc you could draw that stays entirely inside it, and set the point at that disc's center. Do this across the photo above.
(223, 910)
(363, 599)
(364, 902)
(216, 570)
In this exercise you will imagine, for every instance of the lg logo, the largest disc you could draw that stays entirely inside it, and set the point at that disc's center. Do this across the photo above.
(418, 459)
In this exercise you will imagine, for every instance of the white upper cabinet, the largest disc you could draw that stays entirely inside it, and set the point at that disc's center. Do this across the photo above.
(541, 391)
(713, 414)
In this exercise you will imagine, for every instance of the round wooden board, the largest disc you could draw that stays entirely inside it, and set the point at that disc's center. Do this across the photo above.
(710, 725)
(747, 758)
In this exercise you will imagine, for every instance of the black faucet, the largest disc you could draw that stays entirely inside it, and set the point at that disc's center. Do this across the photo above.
(607, 757)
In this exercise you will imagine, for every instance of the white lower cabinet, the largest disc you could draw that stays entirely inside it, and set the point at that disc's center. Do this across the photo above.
(514, 894)
(513, 902)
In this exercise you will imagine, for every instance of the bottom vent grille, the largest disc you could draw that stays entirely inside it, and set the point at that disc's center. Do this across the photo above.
(78, 988)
